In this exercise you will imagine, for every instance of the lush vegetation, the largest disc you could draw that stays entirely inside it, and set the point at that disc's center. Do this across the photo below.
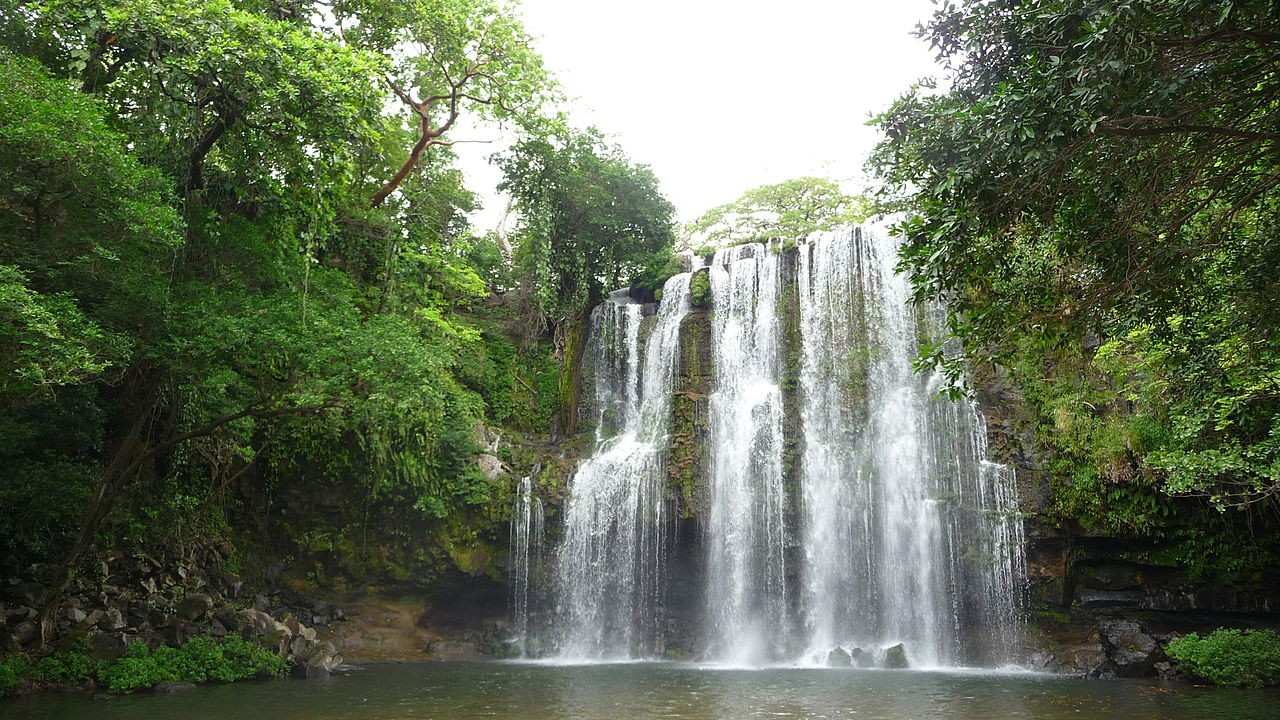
(240, 299)
(789, 210)
(590, 219)
(1243, 658)
(200, 659)
(1095, 195)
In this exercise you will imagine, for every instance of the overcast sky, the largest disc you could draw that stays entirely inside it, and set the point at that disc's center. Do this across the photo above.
(719, 96)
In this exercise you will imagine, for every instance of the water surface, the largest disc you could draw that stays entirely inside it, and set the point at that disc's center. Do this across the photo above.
(640, 691)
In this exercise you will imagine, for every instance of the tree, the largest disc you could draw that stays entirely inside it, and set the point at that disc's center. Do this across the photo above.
(792, 209)
(590, 218)
(1097, 192)
(448, 58)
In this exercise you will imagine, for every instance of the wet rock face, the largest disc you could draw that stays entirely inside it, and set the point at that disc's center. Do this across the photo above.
(839, 657)
(1131, 651)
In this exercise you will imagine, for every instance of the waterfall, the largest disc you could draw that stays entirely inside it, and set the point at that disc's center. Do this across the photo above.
(525, 558)
(843, 501)
(746, 568)
(611, 562)
(909, 533)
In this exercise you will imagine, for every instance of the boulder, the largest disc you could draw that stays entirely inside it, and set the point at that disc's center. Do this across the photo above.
(228, 617)
(257, 623)
(861, 658)
(895, 657)
(490, 466)
(109, 646)
(195, 606)
(75, 615)
(839, 657)
(111, 620)
(25, 632)
(169, 688)
(1132, 651)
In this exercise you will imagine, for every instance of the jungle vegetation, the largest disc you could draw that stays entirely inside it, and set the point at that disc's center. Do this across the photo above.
(1094, 190)
(238, 281)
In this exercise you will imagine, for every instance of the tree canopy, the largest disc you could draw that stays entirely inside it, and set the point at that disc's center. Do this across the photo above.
(236, 266)
(591, 220)
(790, 210)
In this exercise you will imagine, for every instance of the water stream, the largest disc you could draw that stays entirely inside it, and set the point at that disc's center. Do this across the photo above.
(611, 562)
(745, 528)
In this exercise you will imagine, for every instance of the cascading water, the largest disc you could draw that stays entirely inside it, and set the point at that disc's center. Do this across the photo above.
(893, 527)
(525, 558)
(610, 578)
(909, 533)
(745, 534)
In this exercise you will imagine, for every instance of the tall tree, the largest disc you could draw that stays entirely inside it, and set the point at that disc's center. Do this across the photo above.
(449, 58)
(591, 219)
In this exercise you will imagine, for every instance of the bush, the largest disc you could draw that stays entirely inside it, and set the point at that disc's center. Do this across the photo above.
(13, 670)
(1242, 658)
(65, 668)
(202, 659)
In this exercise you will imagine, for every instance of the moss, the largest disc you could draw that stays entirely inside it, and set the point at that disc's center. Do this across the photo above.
(570, 376)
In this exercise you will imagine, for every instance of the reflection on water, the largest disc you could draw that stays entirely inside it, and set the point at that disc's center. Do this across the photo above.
(638, 691)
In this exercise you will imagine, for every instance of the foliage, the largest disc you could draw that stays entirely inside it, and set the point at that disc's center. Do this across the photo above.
(65, 668)
(201, 311)
(448, 58)
(1095, 196)
(13, 670)
(700, 289)
(1243, 658)
(201, 659)
(789, 210)
(591, 220)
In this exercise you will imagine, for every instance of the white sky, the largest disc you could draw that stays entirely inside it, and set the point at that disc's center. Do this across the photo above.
(719, 96)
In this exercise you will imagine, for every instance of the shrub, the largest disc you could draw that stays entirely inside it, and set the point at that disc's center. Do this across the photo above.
(66, 668)
(13, 670)
(1248, 658)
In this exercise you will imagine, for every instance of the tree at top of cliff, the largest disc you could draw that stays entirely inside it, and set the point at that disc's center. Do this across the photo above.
(789, 210)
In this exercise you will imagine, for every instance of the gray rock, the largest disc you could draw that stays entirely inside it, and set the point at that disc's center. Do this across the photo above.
(895, 657)
(112, 619)
(25, 632)
(109, 646)
(1130, 649)
(195, 606)
(228, 617)
(75, 615)
(169, 688)
(839, 657)
(491, 466)
(862, 658)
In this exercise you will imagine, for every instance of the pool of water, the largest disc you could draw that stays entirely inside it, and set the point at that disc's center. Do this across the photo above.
(638, 691)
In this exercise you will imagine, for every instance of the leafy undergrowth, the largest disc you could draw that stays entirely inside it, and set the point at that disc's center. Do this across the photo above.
(201, 659)
(1241, 658)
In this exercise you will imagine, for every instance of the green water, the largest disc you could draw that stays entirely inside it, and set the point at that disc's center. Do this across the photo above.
(464, 691)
